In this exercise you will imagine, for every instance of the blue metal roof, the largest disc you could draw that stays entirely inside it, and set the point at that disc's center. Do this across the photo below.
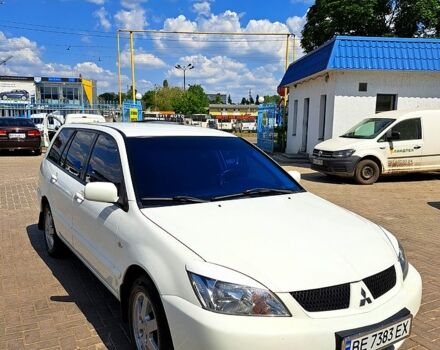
(367, 53)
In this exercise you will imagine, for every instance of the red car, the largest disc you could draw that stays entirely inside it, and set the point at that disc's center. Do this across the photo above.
(19, 134)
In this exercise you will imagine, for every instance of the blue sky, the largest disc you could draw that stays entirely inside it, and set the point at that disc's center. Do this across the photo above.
(69, 37)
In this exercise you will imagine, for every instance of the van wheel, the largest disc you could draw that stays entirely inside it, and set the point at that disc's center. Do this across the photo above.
(367, 172)
(53, 242)
(148, 324)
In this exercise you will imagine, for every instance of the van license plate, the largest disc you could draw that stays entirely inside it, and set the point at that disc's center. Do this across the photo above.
(317, 161)
(17, 136)
(379, 338)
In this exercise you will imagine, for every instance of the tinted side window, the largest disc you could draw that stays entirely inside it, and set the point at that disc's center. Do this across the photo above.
(78, 152)
(105, 164)
(59, 144)
(410, 129)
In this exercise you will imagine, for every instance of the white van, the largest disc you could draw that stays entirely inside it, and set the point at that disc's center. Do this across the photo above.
(84, 118)
(387, 143)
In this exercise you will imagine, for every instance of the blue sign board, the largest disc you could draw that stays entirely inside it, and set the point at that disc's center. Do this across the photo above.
(266, 120)
(131, 111)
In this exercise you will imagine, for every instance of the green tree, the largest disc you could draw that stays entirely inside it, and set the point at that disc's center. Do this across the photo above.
(345, 17)
(192, 101)
(108, 97)
(402, 18)
(244, 101)
(148, 99)
(272, 99)
(256, 100)
(251, 100)
(218, 99)
(229, 99)
(417, 18)
(165, 83)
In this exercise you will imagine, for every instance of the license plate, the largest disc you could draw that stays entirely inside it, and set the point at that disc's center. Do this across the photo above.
(379, 338)
(317, 161)
(17, 136)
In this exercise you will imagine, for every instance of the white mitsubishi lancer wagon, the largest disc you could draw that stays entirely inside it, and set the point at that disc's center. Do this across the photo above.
(155, 211)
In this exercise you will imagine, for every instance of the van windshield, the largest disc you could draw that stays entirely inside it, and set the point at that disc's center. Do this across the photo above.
(368, 128)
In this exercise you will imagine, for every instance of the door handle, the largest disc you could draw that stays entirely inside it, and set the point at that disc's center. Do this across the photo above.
(78, 197)
(417, 147)
(53, 179)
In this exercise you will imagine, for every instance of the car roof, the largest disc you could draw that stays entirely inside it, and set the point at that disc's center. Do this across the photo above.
(402, 114)
(154, 129)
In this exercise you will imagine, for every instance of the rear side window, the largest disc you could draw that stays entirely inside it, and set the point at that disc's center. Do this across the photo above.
(410, 129)
(59, 144)
(78, 152)
(105, 163)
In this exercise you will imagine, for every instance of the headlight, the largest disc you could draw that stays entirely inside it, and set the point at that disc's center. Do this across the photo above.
(344, 153)
(403, 261)
(236, 299)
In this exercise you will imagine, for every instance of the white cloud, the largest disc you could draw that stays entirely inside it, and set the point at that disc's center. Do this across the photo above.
(202, 8)
(27, 61)
(132, 4)
(131, 19)
(103, 20)
(97, 2)
(296, 24)
(143, 59)
(223, 74)
(228, 21)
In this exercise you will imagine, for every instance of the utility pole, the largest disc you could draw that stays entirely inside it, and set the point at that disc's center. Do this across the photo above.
(184, 69)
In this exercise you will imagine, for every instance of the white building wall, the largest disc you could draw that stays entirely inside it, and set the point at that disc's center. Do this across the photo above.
(413, 90)
(346, 105)
(312, 89)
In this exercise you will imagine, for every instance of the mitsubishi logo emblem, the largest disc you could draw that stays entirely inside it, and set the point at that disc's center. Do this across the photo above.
(364, 298)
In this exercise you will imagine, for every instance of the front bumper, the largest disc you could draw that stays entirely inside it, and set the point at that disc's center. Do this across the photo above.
(335, 166)
(195, 328)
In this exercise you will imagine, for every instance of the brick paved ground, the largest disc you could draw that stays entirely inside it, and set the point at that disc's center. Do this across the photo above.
(59, 304)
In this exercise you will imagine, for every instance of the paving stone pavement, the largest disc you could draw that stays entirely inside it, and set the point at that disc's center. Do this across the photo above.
(58, 304)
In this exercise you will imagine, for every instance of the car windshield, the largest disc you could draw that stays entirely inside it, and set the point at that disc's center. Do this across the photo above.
(16, 122)
(368, 128)
(192, 169)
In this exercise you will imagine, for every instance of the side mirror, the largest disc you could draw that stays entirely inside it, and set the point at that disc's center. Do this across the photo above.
(295, 175)
(105, 192)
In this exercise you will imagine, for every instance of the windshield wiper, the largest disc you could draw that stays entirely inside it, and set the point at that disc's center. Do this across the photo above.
(254, 192)
(175, 199)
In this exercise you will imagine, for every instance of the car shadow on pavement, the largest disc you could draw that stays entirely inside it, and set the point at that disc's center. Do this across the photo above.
(435, 205)
(18, 153)
(416, 177)
(95, 302)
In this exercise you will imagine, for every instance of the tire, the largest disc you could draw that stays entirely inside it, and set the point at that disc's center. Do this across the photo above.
(367, 172)
(148, 324)
(54, 245)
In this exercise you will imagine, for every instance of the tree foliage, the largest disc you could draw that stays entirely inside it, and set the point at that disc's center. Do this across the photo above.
(193, 101)
(402, 18)
(229, 100)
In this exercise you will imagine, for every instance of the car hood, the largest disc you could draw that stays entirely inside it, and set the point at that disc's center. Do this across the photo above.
(341, 143)
(286, 242)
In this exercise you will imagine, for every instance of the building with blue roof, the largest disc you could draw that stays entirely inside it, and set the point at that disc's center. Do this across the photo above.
(349, 78)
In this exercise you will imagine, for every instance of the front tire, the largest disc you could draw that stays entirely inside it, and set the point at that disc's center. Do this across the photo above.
(148, 324)
(367, 172)
(53, 242)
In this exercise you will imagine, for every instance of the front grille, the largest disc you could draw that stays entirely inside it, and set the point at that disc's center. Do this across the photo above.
(322, 154)
(381, 282)
(324, 299)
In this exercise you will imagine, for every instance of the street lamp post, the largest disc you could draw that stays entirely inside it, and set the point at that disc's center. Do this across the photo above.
(184, 69)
